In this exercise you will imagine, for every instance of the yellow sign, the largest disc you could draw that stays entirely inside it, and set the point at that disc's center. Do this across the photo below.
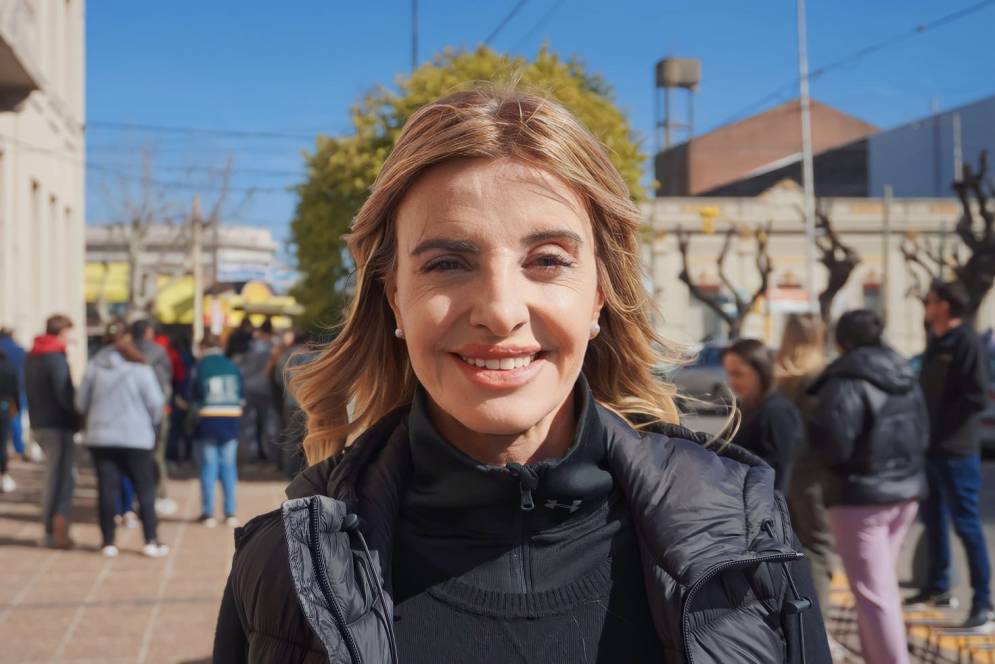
(174, 298)
(106, 281)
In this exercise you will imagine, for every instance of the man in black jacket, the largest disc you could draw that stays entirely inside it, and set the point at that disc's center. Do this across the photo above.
(954, 380)
(54, 420)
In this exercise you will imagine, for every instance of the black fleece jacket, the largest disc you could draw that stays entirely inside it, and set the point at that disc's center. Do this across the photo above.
(954, 380)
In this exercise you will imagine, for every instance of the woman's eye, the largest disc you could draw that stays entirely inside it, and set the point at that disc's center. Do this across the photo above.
(551, 261)
(444, 265)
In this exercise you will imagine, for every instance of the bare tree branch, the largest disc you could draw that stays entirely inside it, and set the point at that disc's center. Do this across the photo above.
(743, 307)
(712, 301)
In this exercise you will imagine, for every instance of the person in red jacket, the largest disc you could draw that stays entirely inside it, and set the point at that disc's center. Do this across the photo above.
(54, 420)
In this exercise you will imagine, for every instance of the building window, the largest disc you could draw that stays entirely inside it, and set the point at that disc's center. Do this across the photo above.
(873, 299)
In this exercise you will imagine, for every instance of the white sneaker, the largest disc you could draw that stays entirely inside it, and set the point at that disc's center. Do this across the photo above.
(109, 551)
(131, 520)
(155, 550)
(208, 521)
(35, 453)
(7, 483)
(232, 521)
(166, 506)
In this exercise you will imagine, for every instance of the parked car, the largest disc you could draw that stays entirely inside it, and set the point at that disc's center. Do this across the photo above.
(701, 384)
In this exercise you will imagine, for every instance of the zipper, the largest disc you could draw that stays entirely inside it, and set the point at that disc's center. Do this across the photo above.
(527, 483)
(318, 560)
(724, 567)
(523, 551)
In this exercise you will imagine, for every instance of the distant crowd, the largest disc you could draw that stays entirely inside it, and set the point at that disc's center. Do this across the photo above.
(146, 405)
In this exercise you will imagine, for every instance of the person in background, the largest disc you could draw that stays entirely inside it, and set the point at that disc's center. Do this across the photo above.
(122, 402)
(293, 353)
(240, 340)
(17, 355)
(10, 398)
(771, 426)
(799, 361)
(124, 514)
(50, 391)
(870, 424)
(216, 401)
(260, 419)
(143, 334)
(954, 379)
(178, 447)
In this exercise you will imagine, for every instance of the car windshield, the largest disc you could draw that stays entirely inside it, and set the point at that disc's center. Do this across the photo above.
(710, 356)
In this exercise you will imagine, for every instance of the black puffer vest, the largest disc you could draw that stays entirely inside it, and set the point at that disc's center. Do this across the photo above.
(719, 559)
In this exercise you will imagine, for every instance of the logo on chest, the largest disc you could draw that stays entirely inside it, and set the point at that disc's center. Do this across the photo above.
(571, 507)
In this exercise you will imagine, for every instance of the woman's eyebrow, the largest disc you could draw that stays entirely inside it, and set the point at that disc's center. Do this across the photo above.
(446, 244)
(550, 235)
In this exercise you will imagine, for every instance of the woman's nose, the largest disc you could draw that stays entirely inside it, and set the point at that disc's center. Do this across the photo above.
(499, 302)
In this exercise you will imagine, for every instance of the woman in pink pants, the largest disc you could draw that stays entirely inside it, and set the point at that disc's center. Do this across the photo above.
(870, 423)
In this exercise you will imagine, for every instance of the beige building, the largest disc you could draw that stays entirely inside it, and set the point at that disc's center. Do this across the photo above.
(41, 165)
(881, 281)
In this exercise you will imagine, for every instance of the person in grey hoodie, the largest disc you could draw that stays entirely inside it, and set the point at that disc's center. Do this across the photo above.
(122, 403)
(143, 336)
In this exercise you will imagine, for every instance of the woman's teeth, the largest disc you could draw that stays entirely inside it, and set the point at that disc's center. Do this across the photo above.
(503, 364)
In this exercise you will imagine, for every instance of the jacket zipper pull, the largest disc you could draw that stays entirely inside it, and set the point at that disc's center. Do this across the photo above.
(527, 482)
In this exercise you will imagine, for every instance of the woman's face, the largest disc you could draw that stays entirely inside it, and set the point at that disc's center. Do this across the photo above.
(495, 291)
(743, 380)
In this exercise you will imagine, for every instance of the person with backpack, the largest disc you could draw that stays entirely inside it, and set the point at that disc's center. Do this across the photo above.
(871, 426)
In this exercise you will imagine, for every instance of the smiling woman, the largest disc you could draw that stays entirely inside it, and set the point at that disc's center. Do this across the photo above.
(473, 176)
(515, 487)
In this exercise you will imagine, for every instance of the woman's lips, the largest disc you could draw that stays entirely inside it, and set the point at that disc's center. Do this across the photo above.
(516, 376)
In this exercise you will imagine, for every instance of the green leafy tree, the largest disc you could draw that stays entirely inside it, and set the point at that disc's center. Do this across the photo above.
(342, 169)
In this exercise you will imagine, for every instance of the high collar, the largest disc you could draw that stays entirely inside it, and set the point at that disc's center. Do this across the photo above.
(447, 483)
(47, 343)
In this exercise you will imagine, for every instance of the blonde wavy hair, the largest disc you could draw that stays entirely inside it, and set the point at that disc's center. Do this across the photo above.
(364, 373)
(803, 346)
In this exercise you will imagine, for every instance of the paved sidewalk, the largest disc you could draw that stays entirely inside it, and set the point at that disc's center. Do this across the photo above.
(77, 606)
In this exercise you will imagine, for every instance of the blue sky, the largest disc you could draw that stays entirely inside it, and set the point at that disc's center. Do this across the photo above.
(294, 69)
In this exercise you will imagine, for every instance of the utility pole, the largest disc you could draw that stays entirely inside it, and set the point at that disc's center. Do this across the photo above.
(958, 150)
(414, 35)
(886, 256)
(196, 228)
(808, 177)
(934, 107)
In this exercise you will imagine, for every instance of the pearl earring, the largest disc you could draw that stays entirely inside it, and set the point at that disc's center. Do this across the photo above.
(595, 329)
(399, 333)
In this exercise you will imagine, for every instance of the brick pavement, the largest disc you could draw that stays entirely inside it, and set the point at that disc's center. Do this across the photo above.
(77, 606)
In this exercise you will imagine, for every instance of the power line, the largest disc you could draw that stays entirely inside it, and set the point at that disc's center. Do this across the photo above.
(539, 24)
(858, 55)
(175, 129)
(504, 22)
(258, 172)
(130, 174)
